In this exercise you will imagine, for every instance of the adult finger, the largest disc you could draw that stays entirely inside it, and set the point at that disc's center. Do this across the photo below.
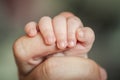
(66, 68)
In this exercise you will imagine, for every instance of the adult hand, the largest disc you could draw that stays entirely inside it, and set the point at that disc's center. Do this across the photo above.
(31, 53)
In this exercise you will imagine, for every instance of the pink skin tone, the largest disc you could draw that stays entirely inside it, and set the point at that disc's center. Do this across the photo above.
(55, 42)
(66, 35)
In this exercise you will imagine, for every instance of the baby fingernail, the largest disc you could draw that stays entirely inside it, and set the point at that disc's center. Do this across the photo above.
(62, 44)
(71, 43)
(50, 40)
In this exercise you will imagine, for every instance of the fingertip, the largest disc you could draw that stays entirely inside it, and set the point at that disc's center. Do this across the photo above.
(91, 35)
(62, 44)
(50, 40)
(71, 43)
(86, 35)
(32, 33)
(30, 29)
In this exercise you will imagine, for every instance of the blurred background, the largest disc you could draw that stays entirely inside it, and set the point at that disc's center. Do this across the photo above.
(103, 16)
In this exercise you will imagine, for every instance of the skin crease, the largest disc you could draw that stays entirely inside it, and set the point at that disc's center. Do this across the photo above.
(40, 56)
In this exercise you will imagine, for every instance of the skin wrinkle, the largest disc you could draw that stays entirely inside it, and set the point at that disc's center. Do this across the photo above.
(21, 47)
(23, 58)
(53, 66)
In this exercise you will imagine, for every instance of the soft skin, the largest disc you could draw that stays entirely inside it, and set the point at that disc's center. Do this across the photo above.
(56, 49)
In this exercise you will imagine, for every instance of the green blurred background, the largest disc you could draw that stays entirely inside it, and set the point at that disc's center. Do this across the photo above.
(101, 15)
